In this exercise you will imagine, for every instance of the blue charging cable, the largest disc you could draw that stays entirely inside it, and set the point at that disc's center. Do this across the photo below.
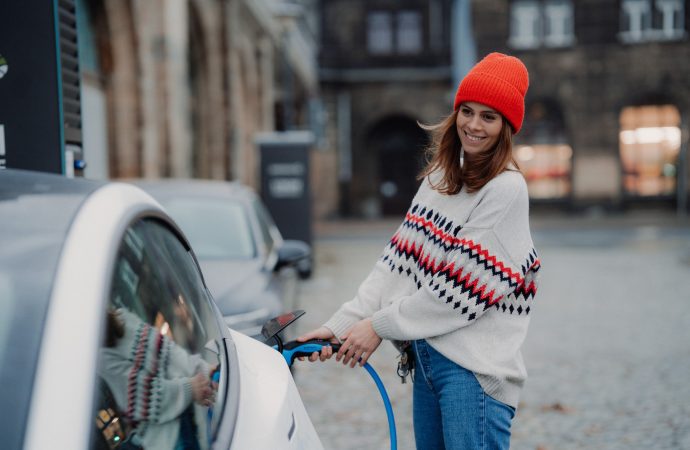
(293, 349)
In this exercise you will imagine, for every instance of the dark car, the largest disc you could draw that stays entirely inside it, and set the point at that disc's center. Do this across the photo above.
(109, 337)
(250, 269)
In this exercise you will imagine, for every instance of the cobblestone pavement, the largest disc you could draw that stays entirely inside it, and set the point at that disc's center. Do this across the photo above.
(608, 350)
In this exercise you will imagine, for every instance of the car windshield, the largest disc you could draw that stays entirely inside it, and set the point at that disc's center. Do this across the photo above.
(217, 229)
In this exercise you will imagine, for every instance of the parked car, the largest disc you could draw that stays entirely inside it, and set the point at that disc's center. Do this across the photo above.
(109, 335)
(250, 269)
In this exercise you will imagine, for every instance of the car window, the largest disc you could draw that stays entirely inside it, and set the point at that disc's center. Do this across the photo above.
(266, 224)
(217, 229)
(161, 347)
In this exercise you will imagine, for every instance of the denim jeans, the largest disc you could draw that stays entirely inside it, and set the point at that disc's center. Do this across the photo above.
(451, 410)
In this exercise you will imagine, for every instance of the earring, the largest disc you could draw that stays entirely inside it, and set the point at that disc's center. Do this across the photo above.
(462, 157)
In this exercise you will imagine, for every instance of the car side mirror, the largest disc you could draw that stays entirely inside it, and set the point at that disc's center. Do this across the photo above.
(293, 253)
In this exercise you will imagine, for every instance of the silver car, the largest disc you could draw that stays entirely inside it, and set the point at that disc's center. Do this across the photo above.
(110, 339)
(250, 269)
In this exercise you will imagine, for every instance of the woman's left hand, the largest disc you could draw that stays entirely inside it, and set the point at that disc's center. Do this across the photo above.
(359, 343)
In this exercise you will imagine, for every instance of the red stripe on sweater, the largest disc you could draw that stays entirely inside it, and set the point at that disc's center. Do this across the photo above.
(467, 244)
(450, 239)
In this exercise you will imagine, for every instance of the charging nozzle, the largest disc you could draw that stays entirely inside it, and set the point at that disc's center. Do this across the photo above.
(294, 349)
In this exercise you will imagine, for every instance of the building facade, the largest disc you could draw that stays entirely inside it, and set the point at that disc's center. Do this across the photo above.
(385, 66)
(609, 99)
(180, 88)
(606, 114)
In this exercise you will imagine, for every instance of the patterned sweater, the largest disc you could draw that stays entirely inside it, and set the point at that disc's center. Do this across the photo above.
(149, 377)
(460, 272)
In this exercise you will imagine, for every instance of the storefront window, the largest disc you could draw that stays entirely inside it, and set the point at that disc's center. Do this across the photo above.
(547, 169)
(649, 145)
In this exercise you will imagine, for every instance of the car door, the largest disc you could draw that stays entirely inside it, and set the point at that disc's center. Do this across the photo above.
(162, 342)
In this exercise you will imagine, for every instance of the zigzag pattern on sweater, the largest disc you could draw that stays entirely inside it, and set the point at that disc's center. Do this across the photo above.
(150, 354)
(423, 243)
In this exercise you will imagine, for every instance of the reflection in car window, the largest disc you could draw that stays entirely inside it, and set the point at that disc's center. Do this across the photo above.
(161, 349)
(216, 228)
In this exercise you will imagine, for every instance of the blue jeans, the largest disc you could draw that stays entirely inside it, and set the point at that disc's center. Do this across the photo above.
(451, 410)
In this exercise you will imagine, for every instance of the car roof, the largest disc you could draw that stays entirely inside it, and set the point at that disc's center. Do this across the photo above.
(172, 187)
(37, 210)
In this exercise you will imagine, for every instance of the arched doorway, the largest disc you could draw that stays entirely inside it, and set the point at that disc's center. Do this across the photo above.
(398, 143)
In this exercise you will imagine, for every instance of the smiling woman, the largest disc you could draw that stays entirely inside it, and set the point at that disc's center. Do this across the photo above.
(478, 126)
(456, 283)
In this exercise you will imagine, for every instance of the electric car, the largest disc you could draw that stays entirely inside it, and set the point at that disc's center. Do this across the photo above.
(241, 251)
(109, 337)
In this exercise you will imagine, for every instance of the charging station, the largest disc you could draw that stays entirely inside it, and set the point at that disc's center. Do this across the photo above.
(40, 101)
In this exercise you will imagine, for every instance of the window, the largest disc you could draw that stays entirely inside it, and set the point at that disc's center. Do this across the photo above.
(409, 32)
(558, 24)
(394, 32)
(649, 145)
(636, 19)
(547, 169)
(269, 230)
(543, 153)
(227, 236)
(525, 27)
(672, 18)
(380, 32)
(652, 20)
(546, 23)
(161, 335)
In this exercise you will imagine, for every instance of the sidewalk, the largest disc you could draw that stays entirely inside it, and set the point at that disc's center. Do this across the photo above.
(540, 221)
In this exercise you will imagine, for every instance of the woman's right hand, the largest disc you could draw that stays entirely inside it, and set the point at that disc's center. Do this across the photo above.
(202, 391)
(319, 333)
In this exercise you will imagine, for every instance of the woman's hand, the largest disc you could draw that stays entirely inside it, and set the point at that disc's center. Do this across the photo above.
(202, 392)
(360, 342)
(319, 333)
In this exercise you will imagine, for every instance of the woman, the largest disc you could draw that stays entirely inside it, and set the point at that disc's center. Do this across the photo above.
(155, 383)
(458, 278)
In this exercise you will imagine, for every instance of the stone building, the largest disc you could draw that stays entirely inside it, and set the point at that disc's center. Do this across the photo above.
(385, 65)
(607, 110)
(609, 100)
(180, 88)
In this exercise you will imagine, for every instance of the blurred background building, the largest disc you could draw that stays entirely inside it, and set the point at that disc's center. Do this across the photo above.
(384, 67)
(181, 88)
(609, 101)
(607, 110)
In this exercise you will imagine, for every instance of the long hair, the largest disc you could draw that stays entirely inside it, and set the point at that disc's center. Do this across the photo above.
(443, 155)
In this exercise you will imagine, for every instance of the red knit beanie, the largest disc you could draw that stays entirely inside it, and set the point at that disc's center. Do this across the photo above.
(500, 82)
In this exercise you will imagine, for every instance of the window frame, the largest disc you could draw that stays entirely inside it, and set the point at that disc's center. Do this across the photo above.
(543, 17)
(228, 387)
(652, 21)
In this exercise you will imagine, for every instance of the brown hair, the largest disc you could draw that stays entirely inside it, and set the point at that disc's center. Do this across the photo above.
(443, 155)
(114, 329)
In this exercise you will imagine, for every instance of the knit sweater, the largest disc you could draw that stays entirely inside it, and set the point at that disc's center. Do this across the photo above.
(149, 377)
(461, 273)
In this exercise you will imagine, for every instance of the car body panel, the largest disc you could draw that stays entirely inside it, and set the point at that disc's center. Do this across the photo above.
(255, 383)
(68, 354)
(277, 405)
(36, 211)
